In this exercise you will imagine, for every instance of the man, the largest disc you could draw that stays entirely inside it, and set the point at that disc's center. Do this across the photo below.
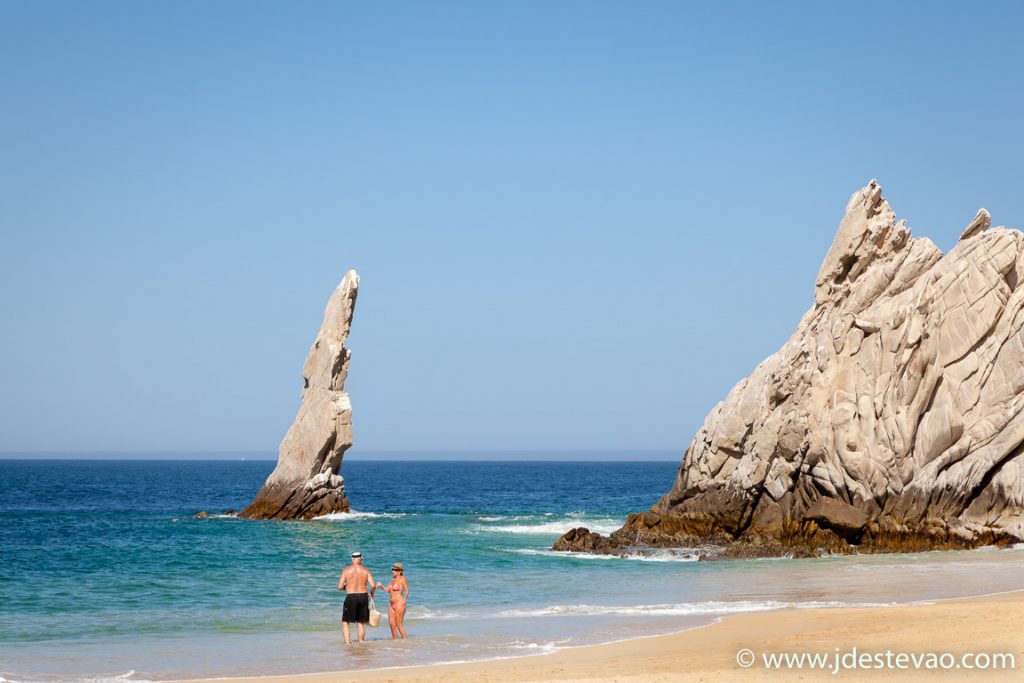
(354, 580)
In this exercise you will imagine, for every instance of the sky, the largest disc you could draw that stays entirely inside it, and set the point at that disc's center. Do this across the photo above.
(578, 224)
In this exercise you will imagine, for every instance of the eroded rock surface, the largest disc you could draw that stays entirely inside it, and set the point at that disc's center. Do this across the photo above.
(306, 482)
(890, 420)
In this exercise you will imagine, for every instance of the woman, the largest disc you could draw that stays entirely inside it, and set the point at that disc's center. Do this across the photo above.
(399, 590)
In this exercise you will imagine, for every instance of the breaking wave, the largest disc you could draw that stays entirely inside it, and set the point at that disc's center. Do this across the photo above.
(661, 555)
(681, 609)
(353, 515)
(540, 648)
(127, 677)
(416, 612)
(554, 527)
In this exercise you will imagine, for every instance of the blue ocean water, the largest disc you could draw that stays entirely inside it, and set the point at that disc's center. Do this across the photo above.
(106, 575)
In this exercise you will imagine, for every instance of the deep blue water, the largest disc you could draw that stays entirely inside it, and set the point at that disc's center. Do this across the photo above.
(106, 575)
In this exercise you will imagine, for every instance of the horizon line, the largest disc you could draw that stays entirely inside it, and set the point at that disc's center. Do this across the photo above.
(377, 450)
(483, 455)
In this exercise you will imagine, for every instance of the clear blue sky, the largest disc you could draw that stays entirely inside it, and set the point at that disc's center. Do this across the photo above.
(578, 224)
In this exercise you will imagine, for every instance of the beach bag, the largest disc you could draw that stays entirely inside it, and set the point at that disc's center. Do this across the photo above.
(374, 614)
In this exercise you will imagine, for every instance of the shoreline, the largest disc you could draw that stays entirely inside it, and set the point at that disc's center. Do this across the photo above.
(983, 624)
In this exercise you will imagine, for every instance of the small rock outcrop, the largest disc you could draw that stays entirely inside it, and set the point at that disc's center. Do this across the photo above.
(891, 420)
(306, 482)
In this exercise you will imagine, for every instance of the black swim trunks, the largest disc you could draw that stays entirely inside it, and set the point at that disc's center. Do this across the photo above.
(356, 609)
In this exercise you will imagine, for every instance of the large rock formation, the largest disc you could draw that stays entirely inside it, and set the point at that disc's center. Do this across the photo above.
(890, 420)
(305, 482)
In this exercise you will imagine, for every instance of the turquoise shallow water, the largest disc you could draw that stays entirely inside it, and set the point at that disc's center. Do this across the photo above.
(106, 575)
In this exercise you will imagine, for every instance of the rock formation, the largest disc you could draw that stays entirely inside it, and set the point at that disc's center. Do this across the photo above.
(305, 482)
(890, 420)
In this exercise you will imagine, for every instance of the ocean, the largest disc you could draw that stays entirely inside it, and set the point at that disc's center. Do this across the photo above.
(106, 575)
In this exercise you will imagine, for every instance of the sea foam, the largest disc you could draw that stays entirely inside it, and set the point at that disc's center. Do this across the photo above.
(661, 555)
(539, 648)
(416, 613)
(680, 609)
(512, 518)
(555, 527)
(353, 515)
(127, 677)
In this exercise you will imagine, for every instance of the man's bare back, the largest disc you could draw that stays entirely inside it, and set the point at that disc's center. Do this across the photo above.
(354, 579)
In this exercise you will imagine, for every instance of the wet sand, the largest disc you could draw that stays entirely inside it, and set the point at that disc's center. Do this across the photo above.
(990, 624)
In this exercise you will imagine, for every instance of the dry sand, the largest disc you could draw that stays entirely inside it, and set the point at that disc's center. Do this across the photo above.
(991, 624)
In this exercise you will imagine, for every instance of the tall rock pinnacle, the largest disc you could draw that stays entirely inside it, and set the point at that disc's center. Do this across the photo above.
(892, 418)
(305, 482)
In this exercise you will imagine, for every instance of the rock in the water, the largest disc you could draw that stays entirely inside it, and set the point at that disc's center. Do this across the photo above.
(305, 482)
(890, 420)
(585, 540)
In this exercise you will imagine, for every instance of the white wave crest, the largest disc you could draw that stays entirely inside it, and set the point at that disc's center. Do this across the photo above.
(541, 648)
(511, 518)
(353, 515)
(416, 613)
(122, 678)
(661, 555)
(556, 527)
(127, 677)
(559, 553)
(681, 609)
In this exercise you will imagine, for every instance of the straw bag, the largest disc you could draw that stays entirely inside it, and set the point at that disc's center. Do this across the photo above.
(374, 614)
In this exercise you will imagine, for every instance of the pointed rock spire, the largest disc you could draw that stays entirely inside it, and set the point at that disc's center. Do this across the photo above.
(305, 482)
(981, 222)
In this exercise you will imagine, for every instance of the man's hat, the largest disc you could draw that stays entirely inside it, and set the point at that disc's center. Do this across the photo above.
(356, 554)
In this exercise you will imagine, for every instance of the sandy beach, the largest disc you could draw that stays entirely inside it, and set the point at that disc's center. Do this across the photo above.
(904, 642)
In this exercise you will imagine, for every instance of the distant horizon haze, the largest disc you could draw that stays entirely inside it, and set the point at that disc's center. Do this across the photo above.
(395, 456)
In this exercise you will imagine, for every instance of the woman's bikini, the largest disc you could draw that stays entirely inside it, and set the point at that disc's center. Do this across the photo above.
(396, 587)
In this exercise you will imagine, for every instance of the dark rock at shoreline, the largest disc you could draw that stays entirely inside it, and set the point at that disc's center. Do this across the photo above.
(583, 540)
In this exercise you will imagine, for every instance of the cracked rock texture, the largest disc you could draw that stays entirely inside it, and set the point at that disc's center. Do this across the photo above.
(305, 482)
(890, 420)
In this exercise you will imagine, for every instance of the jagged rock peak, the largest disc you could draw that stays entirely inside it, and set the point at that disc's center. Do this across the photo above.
(306, 482)
(982, 221)
(890, 420)
(868, 233)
